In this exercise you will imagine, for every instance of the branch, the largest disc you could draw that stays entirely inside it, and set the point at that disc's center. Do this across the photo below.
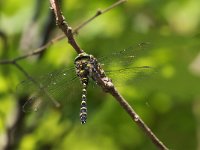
(35, 52)
(76, 30)
(62, 24)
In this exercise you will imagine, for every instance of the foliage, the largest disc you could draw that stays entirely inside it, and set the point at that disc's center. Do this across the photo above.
(167, 100)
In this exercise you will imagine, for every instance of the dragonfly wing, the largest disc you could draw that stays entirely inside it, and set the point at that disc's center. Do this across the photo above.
(130, 74)
(126, 56)
(121, 66)
(56, 88)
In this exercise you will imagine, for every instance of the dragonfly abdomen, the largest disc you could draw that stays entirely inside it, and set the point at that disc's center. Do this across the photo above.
(83, 109)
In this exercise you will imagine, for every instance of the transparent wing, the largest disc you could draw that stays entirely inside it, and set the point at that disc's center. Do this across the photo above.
(121, 66)
(126, 56)
(132, 75)
(56, 88)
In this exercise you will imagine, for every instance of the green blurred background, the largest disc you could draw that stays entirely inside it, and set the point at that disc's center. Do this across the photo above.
(168, 100)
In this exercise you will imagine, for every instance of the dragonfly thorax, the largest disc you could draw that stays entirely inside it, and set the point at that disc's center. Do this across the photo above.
(83, 67)
(88, 66)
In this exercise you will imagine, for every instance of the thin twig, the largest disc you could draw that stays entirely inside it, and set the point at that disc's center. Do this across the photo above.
(98, 13)
(76, 30)
(107, 85)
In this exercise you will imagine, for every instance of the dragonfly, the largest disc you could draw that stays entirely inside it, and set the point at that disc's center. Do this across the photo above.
(58, 86)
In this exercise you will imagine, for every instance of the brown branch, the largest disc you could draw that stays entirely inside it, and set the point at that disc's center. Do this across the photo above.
(62, 24)
(105, 82)
(44, 47)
